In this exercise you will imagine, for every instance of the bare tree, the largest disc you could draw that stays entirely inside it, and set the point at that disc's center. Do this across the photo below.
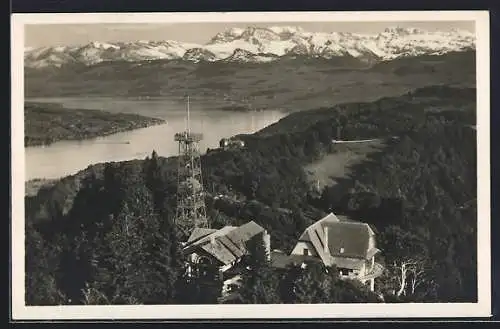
(410, 274)
(92, 296)
(417, 275)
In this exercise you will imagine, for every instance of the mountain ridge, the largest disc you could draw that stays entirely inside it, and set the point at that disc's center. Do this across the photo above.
(259, 44)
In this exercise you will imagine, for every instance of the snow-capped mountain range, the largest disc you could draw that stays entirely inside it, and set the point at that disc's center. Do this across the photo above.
(256, 44)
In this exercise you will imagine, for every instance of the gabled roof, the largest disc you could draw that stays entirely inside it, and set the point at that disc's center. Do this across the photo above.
(244, 233)
(330, 218)
(317, 239)
(346, 238)
(219, 251)
(227, 244)
(199, 233)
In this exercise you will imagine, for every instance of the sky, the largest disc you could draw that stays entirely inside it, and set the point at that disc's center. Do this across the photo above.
(41, 35)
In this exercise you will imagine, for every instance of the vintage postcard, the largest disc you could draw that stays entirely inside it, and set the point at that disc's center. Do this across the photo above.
(257, 165)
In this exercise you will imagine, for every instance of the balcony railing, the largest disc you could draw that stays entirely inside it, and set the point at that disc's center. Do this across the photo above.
(375, 272)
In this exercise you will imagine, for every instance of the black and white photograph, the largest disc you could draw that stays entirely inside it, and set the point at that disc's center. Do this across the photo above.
(301, 164)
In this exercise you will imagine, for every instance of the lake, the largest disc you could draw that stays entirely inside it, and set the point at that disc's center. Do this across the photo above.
(68, 157)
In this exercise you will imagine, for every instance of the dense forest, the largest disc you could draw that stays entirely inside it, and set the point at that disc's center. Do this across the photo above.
(106, 234)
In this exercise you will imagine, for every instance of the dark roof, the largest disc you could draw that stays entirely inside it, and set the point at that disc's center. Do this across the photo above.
(227, 244)
(199, 233)
(235, 249)
(346, 238)
(244, 233)
(219, 251)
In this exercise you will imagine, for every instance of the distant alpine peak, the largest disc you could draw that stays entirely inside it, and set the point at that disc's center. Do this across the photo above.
(262, 44)
(286, 29)
(403, 30)
(198, 55)
(102, 45)
(269, 33)
(227, 35)
(240, 55)
(242, 52)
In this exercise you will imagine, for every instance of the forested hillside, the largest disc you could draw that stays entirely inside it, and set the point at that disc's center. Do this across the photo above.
(48, 123)
(106, 235)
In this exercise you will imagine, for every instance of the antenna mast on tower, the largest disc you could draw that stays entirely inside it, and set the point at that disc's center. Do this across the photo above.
(191, 210)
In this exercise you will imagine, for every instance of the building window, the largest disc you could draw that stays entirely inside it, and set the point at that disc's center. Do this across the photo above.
(344, 271)
(306, 252)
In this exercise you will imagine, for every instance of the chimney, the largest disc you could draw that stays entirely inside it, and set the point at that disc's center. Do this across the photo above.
(267, 244)
(325, 231)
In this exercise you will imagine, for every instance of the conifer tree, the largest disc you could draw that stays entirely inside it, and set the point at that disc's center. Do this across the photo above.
(259, 284)
(41, 286)
(312, 284)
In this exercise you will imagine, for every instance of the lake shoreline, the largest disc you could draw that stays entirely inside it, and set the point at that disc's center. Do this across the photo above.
(90, 137)
(67, 157)
(47, 123)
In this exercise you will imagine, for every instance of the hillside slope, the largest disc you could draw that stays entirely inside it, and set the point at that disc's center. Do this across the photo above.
(418, 191)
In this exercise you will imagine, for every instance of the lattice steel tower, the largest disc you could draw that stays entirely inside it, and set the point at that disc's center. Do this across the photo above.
(191, 211)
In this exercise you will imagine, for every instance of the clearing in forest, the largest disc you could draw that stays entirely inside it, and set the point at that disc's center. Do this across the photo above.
(337, 165)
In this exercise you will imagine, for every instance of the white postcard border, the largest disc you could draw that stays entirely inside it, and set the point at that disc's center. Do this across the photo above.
(480, 309)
